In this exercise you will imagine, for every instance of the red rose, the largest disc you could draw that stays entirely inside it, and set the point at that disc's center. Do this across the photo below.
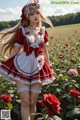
(75, 31)
(66, 45)
(72, 50)
(72, 60)
(6, 97)
(51, 37)
(74, 93)
(60, 55)
(62, 67)
(60, 75)
(52, 103)
(73, 72)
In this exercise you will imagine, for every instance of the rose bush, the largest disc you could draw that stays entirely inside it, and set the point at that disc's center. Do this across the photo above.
(52, 103)
(64, 53)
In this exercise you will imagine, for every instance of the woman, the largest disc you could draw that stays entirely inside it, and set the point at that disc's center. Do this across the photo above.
(28, 64)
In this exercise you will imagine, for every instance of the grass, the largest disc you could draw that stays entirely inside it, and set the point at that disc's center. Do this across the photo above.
(64, 52)
(63, 34)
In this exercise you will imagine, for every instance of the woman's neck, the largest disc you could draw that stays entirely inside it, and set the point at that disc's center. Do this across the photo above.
(33, 25)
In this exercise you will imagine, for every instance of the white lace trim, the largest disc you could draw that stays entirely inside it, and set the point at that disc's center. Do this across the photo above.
(4, 73)
(18, 45)
(34, 90)
(39, 37)
(47, 44)
(12, 70)
(27, 76)
(28, 65)
(23, 89)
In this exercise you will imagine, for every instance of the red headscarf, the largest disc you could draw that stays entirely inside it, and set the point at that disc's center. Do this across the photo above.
(26, 7)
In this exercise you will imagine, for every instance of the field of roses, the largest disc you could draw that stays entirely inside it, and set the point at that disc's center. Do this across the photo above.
(59, 100)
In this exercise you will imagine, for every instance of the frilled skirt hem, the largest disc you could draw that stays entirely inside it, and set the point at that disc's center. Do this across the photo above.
(10, 73)
(11, 78)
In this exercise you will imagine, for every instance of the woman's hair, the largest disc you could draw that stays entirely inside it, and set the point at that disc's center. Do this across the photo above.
(10, 34)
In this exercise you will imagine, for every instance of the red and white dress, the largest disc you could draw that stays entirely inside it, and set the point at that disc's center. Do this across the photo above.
(29, 66)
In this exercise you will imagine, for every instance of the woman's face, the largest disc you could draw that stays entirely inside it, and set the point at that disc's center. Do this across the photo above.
(34, 16)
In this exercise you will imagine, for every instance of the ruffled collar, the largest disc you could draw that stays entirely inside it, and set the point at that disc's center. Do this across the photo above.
(40, 36)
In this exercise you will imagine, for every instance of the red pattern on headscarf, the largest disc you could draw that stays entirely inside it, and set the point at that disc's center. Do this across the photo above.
(23, 16)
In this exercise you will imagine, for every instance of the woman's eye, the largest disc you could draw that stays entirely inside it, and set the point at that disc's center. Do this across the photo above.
(34, 13)
(31, 14)
(37, 13)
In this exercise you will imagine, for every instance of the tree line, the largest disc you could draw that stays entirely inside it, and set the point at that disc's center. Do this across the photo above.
(71, 18)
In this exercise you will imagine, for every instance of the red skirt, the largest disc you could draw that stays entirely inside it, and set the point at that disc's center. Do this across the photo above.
(8, 70)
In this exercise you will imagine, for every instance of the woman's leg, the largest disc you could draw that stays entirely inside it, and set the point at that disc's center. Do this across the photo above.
(35, 89)
(24, 96)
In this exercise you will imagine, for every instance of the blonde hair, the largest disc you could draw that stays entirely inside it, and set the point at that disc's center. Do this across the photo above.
(11, 33)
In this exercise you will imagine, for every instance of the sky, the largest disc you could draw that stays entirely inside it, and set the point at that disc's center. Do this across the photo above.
(11, 9)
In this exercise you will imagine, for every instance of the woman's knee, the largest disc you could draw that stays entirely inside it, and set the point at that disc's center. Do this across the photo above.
(32, 104)
(35, 90)
(24, 98)
(25, 103)
(33, 99)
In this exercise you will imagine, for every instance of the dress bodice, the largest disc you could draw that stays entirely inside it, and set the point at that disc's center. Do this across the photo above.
(31, 42)
(27, 42)
(31, 60)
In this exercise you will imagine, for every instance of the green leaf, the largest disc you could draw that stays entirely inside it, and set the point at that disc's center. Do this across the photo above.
(10, 106)
(15, 109)
(56, 118)
(63, 96)
(50, 118)
(70, 106)
(11, 91)
(58, 90)
(79, 105)
(77, 85)
(46, 116)
(73, 112)
(19, 101)
(62, 71)
(36, 114)
(41, 118)
(65, 77)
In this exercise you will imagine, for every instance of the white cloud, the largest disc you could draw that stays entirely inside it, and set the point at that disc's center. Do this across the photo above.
(16, 10)
(44, 2)
(9, 11)
(47, 8)
(60, 11)
(10, 14)
(75, 8)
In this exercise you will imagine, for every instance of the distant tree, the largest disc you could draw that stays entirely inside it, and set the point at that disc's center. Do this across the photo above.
(9, 24)
(77, 18)
(71, 18)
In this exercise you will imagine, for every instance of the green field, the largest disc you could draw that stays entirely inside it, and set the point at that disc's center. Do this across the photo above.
(64, 34)
(65, 40)
(64, 53)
